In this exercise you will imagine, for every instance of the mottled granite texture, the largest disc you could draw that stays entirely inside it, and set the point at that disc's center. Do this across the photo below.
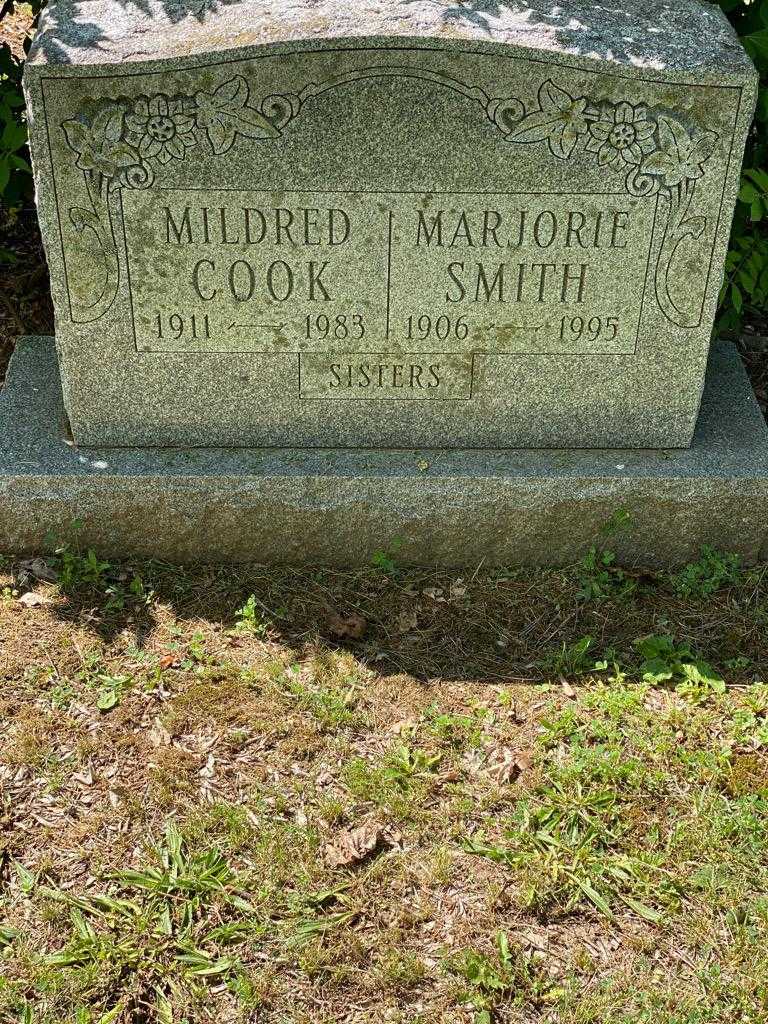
(386, 224)
(448, 508)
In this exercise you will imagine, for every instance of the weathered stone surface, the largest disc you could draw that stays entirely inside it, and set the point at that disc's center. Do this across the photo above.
(386, 224)
(448, 507)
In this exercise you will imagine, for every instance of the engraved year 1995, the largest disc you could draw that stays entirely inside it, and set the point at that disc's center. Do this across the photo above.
(595, 328)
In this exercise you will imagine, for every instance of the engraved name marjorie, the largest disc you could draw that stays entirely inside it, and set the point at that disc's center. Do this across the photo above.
(485, 280)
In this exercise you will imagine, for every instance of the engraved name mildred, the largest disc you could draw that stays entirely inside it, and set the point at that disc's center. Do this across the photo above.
(238, 271)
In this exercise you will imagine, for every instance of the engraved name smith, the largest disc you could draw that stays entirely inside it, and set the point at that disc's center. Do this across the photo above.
(466, 280)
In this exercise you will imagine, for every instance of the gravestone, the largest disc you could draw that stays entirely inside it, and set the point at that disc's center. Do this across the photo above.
(481, 236)
(386, 224)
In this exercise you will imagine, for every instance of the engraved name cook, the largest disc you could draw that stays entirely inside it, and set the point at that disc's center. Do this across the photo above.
(386, 273)
(387, 294)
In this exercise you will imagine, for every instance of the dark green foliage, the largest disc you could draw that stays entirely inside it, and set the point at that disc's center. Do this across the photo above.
(745, 289)
(15, 171)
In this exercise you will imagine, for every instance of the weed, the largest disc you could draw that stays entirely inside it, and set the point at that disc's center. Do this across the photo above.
(600, 579)
(567, 846)
(572, 659)
(509, 974)
(666, 661)
(457, 730)
(110, 691)
(385, 559)
(405, 764)
(76, 571)
(155, 936)
(710, 573)
(400, 968)
(564, 725)
(331, 707)
(250, 618)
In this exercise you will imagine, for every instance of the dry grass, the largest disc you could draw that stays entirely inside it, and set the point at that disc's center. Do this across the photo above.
(389, 804)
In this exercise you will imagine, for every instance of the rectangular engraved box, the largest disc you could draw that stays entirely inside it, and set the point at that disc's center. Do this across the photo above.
(393, 225)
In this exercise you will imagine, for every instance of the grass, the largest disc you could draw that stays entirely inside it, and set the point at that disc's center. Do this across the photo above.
(557, 781)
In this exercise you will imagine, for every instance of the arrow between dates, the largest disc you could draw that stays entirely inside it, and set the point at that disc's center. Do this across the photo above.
(517, 327)
(269, 327)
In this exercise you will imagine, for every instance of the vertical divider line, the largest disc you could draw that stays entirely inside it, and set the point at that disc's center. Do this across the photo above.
(389, 269)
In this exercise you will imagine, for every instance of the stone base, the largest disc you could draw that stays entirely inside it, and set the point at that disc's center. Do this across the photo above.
(342, 506)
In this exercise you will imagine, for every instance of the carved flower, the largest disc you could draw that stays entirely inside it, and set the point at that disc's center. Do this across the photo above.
(621, 136)
(678, 156)
(100, 145)
(160, 128)
(560, 121)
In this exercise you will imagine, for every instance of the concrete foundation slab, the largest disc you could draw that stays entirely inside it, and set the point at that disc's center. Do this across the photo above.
(342, 506)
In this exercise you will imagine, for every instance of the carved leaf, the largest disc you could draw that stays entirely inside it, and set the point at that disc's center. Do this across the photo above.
(233, 93)
(82, 218)
(674, 138)
(108, 124)
(221, 135)
(553, 98)
(535, 127)
(562, 143)
(703, 147)
(695, 226)
(224, 115)
(122, 154)
(77, 135)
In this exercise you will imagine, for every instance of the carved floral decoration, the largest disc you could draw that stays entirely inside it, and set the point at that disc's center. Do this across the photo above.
(125, 143)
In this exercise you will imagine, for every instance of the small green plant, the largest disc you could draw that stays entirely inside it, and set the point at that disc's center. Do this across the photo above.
(110, 691)
(666, 661)
(457, 730)
(250, 618)
(571, 659)
(77, 571)
(600, 579)
(509, 974)
(745, 287)
(710, 573)
(567, 845)
(405, 764)
(15, 171)
(330, 706)
(154, 938)
(385, 559)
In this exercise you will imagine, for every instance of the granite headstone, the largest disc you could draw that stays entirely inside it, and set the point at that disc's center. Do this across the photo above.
(386, 224)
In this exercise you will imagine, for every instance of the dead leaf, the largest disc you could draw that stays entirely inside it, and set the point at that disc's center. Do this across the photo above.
(353, 846)
(159, 735)
(506, 765)
(33, 600)
(350, 627)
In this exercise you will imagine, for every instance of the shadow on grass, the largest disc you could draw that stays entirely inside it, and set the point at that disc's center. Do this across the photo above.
(521, 625)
